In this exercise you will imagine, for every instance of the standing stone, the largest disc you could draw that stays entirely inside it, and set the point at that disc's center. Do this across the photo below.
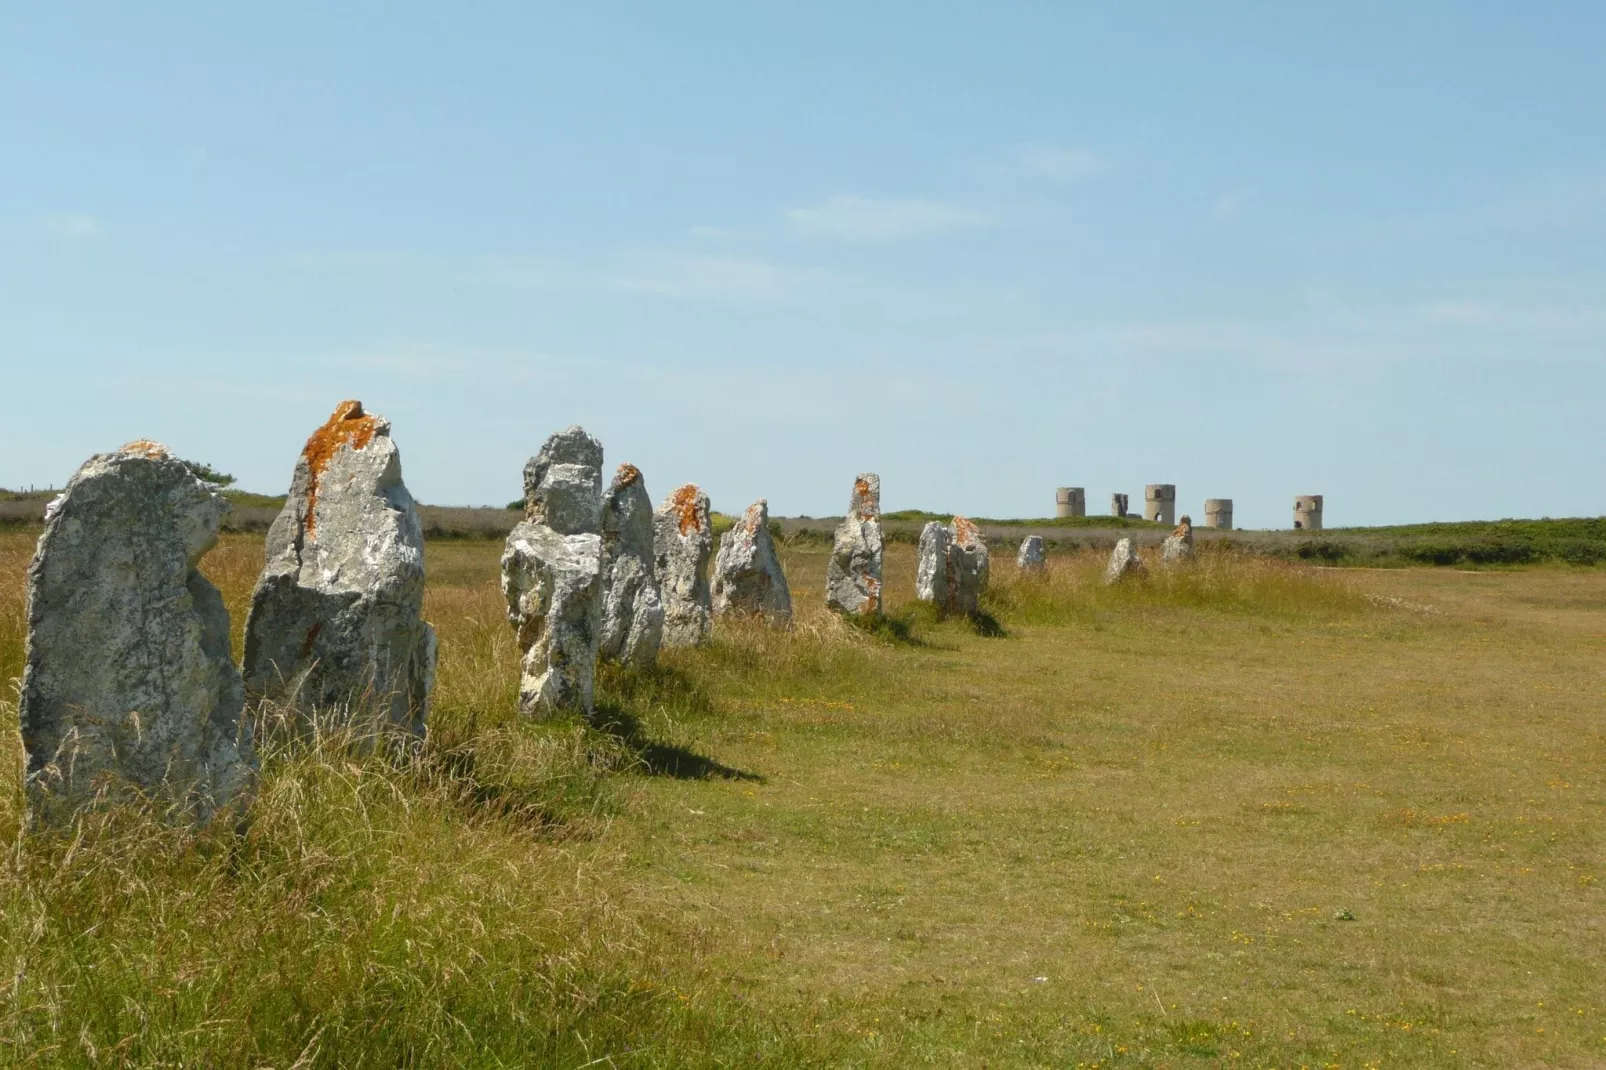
(1032, 557)
(683, 541)
(128, 680)
(335, 626)
(967, 567)
(853, 576)
(1124, 562)
(931, 577)
(632, 609)
(552, 575)
(747, 574)
(953, 566)
(1178, 546)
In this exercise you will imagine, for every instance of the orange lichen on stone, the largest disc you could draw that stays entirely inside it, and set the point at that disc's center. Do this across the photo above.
(965, 533)
(348, 426)
(751, 517)
(146, 448)
(627, 475)
(872, 592)
(684, 502)
(861, 494)
(1184, 529)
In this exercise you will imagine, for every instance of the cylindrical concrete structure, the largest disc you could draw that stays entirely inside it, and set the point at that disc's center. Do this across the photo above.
(1118, 505)
(1218, 513)
(1070, 502)
(1160, 503)
(1308, 512)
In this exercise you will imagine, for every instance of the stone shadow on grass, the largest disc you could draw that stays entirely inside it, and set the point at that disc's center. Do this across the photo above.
(986, 625)
(662, 759)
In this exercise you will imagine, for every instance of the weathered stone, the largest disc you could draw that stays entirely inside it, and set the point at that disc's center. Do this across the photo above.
(1124, 562)
(552, 575)
(128, 681)
(853, 575)
(931, 577)
(552, 584)
(953, 567)
(335, 628)
(968, 565)
(683, 541)
(632, 609)
(747, 575)
(1032, 557)
(1178, 546)
(563, 483)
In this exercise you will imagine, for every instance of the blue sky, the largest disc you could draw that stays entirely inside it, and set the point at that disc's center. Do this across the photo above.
(1255, 250)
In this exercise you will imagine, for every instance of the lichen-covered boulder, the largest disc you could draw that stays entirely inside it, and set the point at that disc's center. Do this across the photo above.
(747, 574)
(683, 542)
(1178, 546)
(1031, 556)
(552, 575)
(968, 565)
(553, 586)
(632, 609)
(1124, 562)
(563, 483)
(128, 682)
(853, 575)
(335, 628)
(931, 574)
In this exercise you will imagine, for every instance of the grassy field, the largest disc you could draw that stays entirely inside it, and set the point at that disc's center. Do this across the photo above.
(1251, 814)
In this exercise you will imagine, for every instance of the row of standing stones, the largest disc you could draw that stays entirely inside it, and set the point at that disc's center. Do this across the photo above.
(129, 681)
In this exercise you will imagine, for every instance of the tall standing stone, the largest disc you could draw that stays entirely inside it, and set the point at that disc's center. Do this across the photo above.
(1031, 557)
(954, 566)
(747, 574)
(632, 609)
(968, 565)
(552, 575)
(128, 679)
(1178, 546)
(931, 575)
(1124, 562)
(335, 627)
(683, 542)
(853, 575)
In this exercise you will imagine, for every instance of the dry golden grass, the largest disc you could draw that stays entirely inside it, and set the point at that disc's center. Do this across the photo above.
(1243, 813)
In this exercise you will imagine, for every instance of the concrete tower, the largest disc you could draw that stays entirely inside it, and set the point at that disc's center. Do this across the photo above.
(1218, 513)
(1160, 503)
(1308, 512)
(1070, 502)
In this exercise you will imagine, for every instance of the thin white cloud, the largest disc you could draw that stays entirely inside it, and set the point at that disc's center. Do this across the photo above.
(853, 218)
(1469, 313)
(72, 227)
(709, 277)
(1231, 204)
(1060, 164)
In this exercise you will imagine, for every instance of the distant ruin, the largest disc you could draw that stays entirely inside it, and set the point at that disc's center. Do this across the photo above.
(1160, 503)
(1308, 512)
(1070, 502)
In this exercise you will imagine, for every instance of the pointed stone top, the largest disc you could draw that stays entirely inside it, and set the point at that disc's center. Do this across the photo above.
(865, 504)
(348, 426)
(966, 533)
(689, 506)
(626, 475)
